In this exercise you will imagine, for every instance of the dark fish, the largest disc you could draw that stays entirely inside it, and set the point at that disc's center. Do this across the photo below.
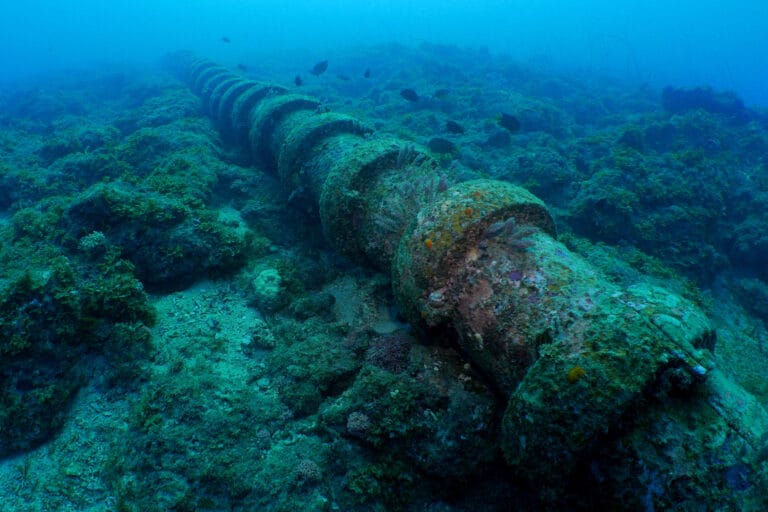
(409, 95)
(441, 145)
(319, 68)
(343, 77)
(441, 94)
(225, 39)
(509, 122)
(453, 127)
(242, 67)
(297, 80)
(367, 73)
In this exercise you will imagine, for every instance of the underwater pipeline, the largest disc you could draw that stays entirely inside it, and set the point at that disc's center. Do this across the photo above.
(569, 350)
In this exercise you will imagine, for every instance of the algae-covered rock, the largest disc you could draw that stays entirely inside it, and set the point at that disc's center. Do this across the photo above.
(266, 286)
(434, 411)
(309, 365)
(52, 315)
(169, 243)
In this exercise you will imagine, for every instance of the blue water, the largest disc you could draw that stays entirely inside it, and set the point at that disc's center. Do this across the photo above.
(686, 42)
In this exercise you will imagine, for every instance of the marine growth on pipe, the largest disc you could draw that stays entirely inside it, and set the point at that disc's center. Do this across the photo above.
(570, 351)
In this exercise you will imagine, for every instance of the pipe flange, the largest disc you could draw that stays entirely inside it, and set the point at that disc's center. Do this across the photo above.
(448, 227)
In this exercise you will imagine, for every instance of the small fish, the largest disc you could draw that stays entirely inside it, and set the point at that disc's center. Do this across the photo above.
(319, 68)
(297, 80)
(367, 73)
(343, 77)
(242, 67)
(409, 95)
(441, 94)
(509, 122)
(225, 39)
(453, 127)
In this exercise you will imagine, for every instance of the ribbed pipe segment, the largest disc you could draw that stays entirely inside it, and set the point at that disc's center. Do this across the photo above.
(570, 350)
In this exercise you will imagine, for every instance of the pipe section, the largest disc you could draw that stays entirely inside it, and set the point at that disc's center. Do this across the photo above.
(571, 351)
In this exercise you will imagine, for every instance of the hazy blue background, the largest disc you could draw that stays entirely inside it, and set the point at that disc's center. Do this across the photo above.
(720, 43)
